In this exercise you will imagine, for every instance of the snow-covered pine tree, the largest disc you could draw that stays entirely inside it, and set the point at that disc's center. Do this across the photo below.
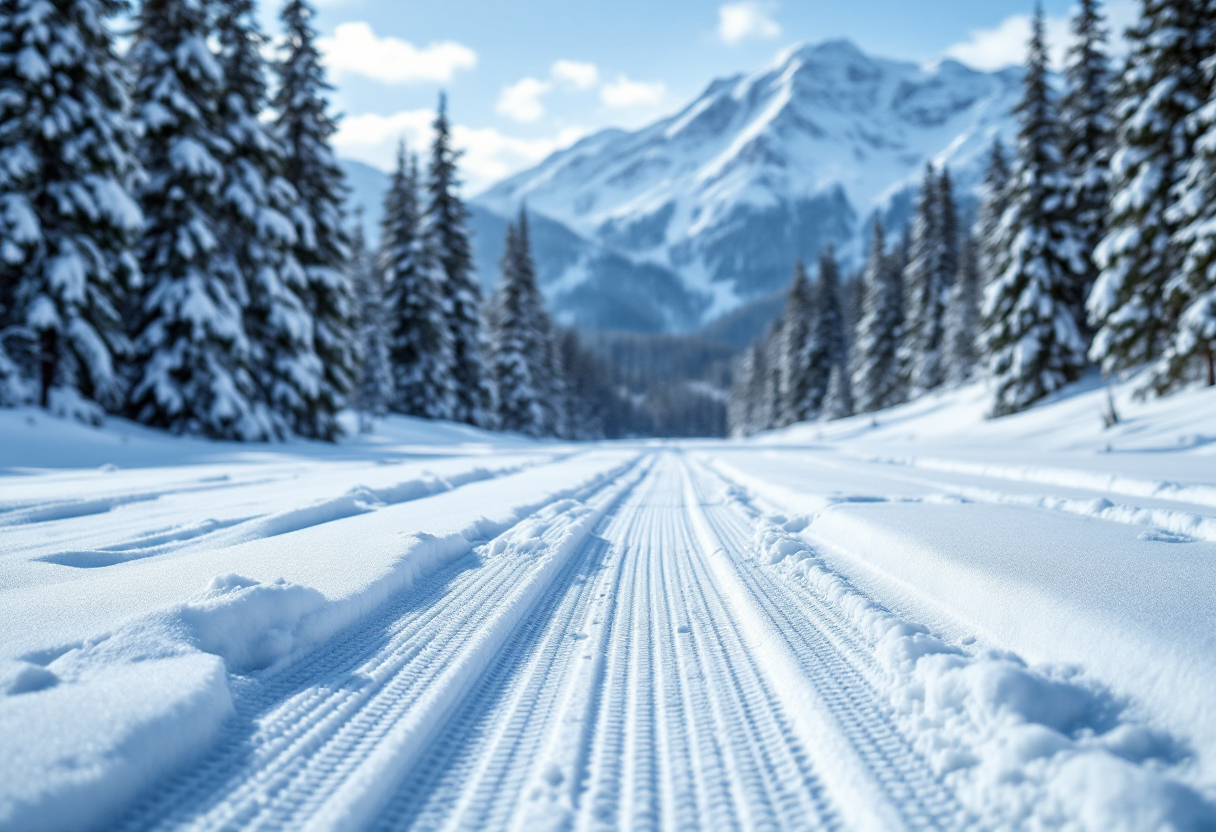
(826, 347)
(1030, 337)
(191, 351)
(793, 359)
(419, 342)
(259, 237)
(1190, 354)
(374, 382)
(556, 400)
(766, 410)
(518, 347)
(992, 251)
(876, 358)
(948, 235)
(548, 372)
(1161, 87)
(67, 217)
(448, 236)
(932, 260)
(1086, 140)
(962, 317)
(13, 389)
(838, 403)
(738, 405)
(305, 128)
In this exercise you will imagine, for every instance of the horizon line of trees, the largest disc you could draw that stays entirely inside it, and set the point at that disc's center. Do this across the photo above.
(173, 243)
(1095, 245)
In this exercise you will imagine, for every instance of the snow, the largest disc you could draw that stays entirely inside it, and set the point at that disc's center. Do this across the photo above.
(919, 618)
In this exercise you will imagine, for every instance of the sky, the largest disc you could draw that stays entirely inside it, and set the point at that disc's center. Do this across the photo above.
(527, 77)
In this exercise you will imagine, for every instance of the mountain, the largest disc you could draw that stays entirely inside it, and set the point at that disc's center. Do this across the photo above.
(588, 284)
(699, 213)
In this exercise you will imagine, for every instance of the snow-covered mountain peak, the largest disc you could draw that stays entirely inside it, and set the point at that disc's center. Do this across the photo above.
(764, 167)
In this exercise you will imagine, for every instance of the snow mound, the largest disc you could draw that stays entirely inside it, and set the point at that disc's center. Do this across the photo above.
(1024, 747)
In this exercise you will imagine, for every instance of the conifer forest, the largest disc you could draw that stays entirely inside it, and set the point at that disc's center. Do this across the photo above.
(598, 417)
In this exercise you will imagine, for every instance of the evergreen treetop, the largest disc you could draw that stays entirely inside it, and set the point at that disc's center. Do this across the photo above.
(192, 350)
(1086, 139)
(419, 341)
(448, 236)
(305, 128)
(876, 378)
(792, 362)
(1030, 334)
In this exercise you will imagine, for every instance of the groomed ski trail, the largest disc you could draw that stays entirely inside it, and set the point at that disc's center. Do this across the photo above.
(615, 661)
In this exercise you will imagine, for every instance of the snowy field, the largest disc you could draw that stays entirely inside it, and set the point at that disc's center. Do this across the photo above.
(920, 620)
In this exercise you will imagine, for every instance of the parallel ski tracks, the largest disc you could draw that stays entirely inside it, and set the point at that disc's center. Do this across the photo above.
(842, 667)
(298, 736)
(624, 694)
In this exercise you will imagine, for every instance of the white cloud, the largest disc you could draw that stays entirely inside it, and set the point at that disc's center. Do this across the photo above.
(576, 74)
(521, 101)
(740, 21)
(623, 93)
(1006, 44)
(355, 49)
(489, 155)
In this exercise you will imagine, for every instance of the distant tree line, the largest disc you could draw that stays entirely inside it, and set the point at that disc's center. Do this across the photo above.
(1095, 244)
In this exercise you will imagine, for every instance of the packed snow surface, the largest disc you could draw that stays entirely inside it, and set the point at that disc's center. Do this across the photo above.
(915, 619)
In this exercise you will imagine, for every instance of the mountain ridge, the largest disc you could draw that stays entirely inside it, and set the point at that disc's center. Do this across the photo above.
(764, 167)
(670, 227)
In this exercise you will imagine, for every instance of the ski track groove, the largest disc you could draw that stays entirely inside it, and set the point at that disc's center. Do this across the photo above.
(233, 531)
(431, 793)
(843, 669)
(683, 728)
(297, 733)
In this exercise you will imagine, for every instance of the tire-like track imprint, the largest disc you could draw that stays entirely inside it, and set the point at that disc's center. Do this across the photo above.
(573, 673)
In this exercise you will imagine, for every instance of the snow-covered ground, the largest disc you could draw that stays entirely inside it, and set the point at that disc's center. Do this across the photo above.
(916, 620)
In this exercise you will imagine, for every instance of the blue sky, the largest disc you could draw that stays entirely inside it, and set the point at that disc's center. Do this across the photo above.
(525, 77)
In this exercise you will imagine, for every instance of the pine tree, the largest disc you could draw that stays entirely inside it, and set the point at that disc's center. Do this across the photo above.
(962, 317)
(191, 349)
(1161, 87)
(305, 129)
(766, 412)
(1086, 141)
(449, 237)
(260, 239)
(739, 405)
(838, 403)
(419, 342)
(556, 399)
(374, 381)
(826, 348)
(992, 251)
(933, 261)
(521, 343)
(793, 359)
(948, 235)
(67, 217)
(876, 366)
(1191, 351)
(1030, 336)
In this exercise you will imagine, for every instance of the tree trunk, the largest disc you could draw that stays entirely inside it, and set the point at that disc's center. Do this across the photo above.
(50, 357)
(1211, 367)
